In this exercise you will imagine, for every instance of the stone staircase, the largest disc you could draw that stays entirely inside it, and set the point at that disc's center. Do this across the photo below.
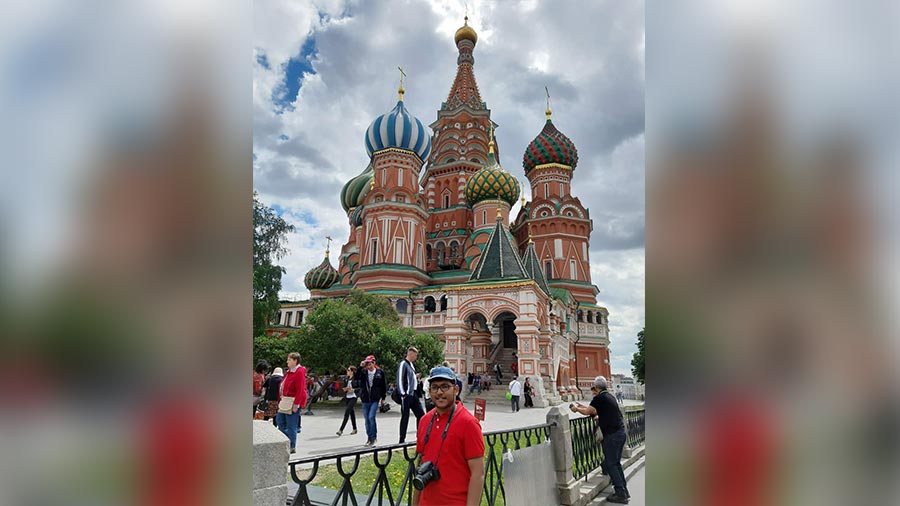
(497, 393)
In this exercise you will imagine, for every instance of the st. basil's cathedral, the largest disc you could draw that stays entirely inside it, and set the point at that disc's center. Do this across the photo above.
(430, 229)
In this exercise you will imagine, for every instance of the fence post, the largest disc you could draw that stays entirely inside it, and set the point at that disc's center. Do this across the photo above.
(563, 457)
(270, 459)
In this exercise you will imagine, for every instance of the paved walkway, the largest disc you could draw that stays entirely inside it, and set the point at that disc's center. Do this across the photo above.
(318, 437)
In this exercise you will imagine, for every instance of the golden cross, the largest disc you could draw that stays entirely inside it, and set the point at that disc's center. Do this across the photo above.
(491, 137)
(547, 112)
(328, 246)
(402, 75)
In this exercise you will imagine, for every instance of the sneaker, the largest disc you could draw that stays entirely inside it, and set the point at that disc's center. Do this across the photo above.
(339, 432)
(354, 432)
(374, 442)
(293, 450)
(368, 442)
(618, 499)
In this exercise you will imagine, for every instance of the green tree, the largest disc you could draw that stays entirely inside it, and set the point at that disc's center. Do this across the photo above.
(269, 238)
(390, 344)
(637, 361)
(274, 350)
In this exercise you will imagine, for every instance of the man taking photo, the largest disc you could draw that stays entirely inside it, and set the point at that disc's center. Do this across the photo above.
(407, 384)
(451, 448)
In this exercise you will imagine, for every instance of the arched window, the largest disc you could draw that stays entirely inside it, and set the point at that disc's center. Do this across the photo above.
(446, 201)
(443, 302)
(590, 317)
(401, 306)
(580, 316)
(440, 253)
(454, 249)
(429, 304)
(548, 269)
(428, 251)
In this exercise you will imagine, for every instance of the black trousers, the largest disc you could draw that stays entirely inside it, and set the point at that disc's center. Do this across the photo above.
(349, 413)
(410, 403)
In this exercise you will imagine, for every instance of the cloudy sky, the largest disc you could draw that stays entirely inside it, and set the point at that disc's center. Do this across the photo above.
(323, 70)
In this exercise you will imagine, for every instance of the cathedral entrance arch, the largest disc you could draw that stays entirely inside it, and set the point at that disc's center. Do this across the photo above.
(506, 327)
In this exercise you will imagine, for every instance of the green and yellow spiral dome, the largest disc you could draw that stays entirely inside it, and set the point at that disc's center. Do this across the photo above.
(492, 182)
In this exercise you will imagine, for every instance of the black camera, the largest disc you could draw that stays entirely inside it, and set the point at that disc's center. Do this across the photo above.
(425, 473)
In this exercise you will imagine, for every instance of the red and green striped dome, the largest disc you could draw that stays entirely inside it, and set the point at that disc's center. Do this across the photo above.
(550, 146)
(321, 277)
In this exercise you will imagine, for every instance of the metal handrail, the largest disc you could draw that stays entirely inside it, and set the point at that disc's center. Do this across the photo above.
(382, 492)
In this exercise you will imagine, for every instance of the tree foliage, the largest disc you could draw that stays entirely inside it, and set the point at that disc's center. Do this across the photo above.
(637, 361)
(340, 333)
(273, 349)
(269, 239)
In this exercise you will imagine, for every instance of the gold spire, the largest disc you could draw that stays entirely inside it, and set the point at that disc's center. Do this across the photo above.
(530, 241)
(548, 112)
(400, 90)
(499, 212)
(491, 139)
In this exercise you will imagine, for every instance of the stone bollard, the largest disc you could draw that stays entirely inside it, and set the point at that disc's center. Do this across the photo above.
(563, 457)
(270, 458)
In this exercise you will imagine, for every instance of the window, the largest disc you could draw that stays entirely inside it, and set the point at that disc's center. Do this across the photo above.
(398, 250)
(429, 304)
(548, 269)
(428, 252)
(483, 217)
(440, 253)
(401, 306)
(287, 318)
(446, 201)
(546, 190)
(590, 317)
(299, 317)
(278, 318)
(561, 189)
(379, 198)
(400, 177)
(443, 303)
(572, 274)
(584, 251)
(400, 198)
(454, 249)
(557, 247)
(587, 363)
(580, 315)
(419, 260)
(383, 177)
(373, 256)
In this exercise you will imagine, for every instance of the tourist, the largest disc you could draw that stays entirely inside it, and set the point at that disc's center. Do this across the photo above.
(514, 367)
(529, 392)
(372, 391)
(620, 396)
(486, 381)
(450, 438)
(515, 389)
(407, 384)
(499, 371)
(272, 387)
(293, 397)
(350, 401)
(476, 383)
(259, 377)
(612, 426)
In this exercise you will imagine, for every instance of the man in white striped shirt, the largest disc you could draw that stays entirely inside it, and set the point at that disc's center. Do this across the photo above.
(406, 384)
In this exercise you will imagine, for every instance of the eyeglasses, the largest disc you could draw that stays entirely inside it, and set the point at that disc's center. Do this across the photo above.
(441, 387)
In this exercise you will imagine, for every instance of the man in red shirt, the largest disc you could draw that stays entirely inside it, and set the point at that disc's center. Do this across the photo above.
(450, 438)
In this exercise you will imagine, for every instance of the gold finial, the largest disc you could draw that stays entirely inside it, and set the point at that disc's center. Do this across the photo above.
(328, 246)
(400, 90)
(548, 112)
(466, 18)
(523, 203)
(491, 139)
(530, 241)
(499, 212)
(372, 184)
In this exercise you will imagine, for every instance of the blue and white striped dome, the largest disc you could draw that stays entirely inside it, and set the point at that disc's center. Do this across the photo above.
(398, 129)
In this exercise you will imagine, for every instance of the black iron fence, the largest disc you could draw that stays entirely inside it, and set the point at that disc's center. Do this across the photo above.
(586, 452)
(383, 475)
(634, 425)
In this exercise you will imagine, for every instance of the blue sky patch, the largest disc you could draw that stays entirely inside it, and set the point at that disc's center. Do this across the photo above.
(294, 71)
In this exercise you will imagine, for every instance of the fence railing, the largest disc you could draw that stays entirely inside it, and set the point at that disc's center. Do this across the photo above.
(634, 425)
(391, 483)
(586, 453)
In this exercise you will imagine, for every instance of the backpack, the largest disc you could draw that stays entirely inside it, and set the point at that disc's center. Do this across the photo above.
(257, 383)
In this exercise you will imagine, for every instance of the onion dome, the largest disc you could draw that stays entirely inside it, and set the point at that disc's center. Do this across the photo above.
(398, 129)
(550, 146)
(492, 182)
(466, 32)
(356, 216)
(321, 277)
(355, 190)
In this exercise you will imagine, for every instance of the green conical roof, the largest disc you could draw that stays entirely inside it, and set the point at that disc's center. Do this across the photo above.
(499, 259)
(533, 267)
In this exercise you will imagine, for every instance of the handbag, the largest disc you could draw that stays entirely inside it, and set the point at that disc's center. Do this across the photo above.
(286, 405)
(508, 396)
(598, 435)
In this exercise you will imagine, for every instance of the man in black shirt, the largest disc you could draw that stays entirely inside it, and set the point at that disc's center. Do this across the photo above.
(612, 424)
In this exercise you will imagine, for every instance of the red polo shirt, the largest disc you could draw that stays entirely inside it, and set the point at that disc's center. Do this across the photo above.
(464, 442)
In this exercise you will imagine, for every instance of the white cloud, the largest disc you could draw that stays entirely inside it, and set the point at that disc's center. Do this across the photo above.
(590, 55)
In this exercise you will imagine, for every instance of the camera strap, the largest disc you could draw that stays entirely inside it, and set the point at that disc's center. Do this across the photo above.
(443, 435)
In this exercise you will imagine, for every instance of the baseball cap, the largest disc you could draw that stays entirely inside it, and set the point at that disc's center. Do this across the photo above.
(442, 372)
(370, 358)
